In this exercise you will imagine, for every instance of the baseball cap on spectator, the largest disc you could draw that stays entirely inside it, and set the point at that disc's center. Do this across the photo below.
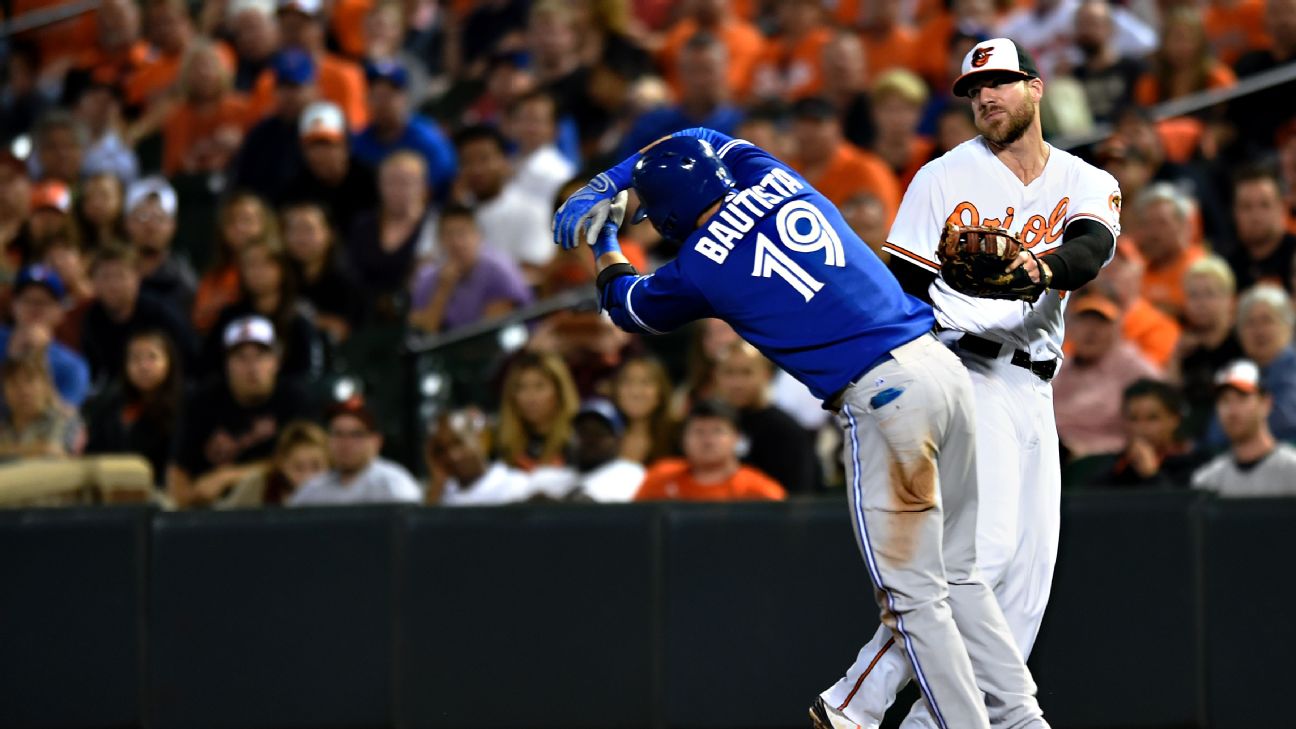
(322, 120)
(1242, 375)
(293, 67)
(387, 72)
(603, 410)
(51, 195)
(354, 407)
(305, 7)
(1097, 304)
(266, 7)
(39, 275)
(999, 56)
(813, 107)
(249, 330)
(145, 188)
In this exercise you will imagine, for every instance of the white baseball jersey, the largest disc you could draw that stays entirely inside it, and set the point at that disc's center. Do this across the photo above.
(969, 185)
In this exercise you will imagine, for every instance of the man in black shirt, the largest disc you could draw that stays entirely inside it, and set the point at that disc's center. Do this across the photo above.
(120, 309)
(776, 443)
(1265, 248)
(1107, 77)
(332, 175)
(1258, 116)
(231, 424)
(270, 158)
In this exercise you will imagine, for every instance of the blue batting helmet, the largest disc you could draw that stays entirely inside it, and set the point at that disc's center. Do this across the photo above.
(677, 180)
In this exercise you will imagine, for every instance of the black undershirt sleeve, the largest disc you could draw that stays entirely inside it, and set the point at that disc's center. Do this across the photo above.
(915, 280)
(1086, 244)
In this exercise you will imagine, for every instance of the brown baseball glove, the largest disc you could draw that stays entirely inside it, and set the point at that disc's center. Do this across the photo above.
(974, 261)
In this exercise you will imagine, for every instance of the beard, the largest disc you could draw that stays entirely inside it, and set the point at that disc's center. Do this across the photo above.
(1009, 129)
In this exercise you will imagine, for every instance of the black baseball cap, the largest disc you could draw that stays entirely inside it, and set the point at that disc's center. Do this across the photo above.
(999, 56)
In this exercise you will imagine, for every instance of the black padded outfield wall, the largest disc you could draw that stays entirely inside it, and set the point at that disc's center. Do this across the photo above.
(1169, 610)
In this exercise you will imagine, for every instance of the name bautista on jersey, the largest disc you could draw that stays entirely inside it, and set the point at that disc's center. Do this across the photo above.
(758, 200)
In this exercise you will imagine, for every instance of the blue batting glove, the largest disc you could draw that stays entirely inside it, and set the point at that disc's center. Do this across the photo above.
(584, 213)
(607, 240)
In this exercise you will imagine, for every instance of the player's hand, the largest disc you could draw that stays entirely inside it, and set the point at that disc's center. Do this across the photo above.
(584, 213)
(1034, 266)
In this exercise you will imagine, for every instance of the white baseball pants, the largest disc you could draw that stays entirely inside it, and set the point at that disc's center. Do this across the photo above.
(911, 475)
(1018, 518)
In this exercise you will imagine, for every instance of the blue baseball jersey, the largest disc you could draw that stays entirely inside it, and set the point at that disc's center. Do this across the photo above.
(781, 266)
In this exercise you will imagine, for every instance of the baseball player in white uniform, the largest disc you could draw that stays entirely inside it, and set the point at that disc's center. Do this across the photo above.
(1066, 214)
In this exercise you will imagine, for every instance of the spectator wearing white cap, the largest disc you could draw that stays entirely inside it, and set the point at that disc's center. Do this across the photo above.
(270, 157)
(151, 207)
(230, 425)
(1256, 464)
(331, 175)
(359, 475)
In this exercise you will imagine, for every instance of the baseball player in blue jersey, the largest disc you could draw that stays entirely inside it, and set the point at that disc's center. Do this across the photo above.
(765, 252)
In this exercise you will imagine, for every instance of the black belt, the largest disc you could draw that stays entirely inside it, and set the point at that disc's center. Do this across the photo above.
(990, 349)
(834, 401)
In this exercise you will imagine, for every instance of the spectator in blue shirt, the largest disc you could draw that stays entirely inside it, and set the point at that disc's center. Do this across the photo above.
(38, 300)
(393, 126)
(704, 98)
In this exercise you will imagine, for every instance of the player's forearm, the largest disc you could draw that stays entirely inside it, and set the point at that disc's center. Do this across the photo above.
(1086, 245)
(619, 175)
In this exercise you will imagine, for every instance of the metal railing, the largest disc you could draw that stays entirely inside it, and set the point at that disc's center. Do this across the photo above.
(46, 16)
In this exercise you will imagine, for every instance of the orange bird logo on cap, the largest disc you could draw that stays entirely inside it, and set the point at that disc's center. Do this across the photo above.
(981, 56)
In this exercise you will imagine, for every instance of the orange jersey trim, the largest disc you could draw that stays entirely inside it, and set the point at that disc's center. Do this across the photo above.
(890, 247)
(860, 682)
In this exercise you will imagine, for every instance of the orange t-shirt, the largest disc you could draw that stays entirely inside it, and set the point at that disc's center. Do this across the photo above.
(1146, 92)
(670, 479)
(894, 48)
(347, 24)
(1235, 27)
(57, 41)
(187, 125)
(1163, 285)
(339, 80)
(792, 69)
(743, 42)
(1153, 331)
(159, 72)
(113, 67)
(217, 289)
(934, 35)
(852, 170)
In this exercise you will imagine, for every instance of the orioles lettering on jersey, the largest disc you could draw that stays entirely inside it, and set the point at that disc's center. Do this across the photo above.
(1037, 228)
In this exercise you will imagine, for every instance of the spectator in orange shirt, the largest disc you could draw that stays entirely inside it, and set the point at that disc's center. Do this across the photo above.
(846, 87)
(888, 42)
(117, 53)
(340, 81)
(834, 166)
(791, 66)
(898, 100)
(1183, 64)
(709, 470)
(169, 31)
(1153, 331)
(743, 44)
(1163, 233)
(204, 131)
(244, 219)
(972, 19)
(1235, 27)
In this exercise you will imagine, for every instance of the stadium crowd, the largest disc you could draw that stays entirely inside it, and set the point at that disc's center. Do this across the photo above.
(205, 203)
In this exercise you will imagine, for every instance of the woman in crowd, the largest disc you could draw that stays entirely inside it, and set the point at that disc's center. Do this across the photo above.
(202, 133)
(269, 288)
(383, 245)
(243, 218)
(141, 413)
(536, 413)
(325, 283)
(641, 390)
(300, 454)
(34, 423)
(1183, 64)
(99, 210)
(1207, 341)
